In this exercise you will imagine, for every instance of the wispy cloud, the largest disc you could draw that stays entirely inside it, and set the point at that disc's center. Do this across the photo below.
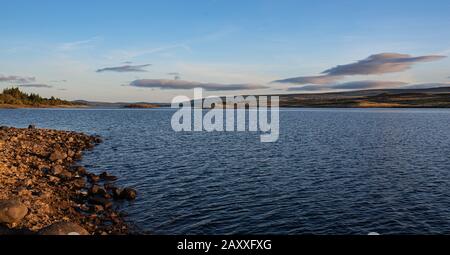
(428, 85)
(133, 53)
(321, 79)
(354, 85)
(308, 88)
(368, 85)
(124, 69)
(375, 64)
(16, 79)
(70, 46)
(176, 76)
(35, 86)
(180, 84)
(125, 54)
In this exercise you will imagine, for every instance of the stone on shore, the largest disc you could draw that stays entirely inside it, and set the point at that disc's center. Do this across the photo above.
(107, 177)
(64, 228)
(37, 169)
(57, 170)
(93, 178)
(79, 183)
(12, 211)
(128, 194)
(57, 155)
(80, 170)
(101, 201)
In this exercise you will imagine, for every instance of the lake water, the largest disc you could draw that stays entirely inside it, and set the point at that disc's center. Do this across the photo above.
(333, 171)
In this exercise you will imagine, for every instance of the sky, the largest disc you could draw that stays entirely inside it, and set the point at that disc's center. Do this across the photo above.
(152, 51)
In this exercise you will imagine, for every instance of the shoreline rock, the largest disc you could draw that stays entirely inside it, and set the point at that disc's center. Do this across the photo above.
(12, 211)
(45, 191)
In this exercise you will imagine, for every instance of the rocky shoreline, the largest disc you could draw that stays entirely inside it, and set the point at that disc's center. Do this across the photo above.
(44, 191)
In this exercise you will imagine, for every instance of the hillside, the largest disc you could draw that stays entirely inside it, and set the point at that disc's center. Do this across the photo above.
(386, 98)
(380, 98)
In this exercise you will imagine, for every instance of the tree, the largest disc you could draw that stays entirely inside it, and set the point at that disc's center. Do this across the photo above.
(16, 97)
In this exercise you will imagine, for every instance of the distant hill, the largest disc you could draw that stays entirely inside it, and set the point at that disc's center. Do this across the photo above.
(14, 98)
(95, 104)
(141, 106)
(379, 98)
(383, 98)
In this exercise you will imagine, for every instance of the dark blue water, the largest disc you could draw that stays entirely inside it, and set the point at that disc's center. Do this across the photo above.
(342, 171)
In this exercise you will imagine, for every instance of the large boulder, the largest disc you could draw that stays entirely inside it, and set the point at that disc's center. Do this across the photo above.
(64, 228)
(12, 211)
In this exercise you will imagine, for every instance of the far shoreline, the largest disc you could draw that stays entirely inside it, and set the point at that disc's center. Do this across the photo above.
(427, 98)
(12, 106)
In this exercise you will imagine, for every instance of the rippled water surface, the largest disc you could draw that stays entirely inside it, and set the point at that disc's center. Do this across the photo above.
(333, 171)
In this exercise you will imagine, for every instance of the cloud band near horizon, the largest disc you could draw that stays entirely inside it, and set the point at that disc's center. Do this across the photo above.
(125, 69)
(16, 79)
(354, 85)
(183, 85)
(35, 86)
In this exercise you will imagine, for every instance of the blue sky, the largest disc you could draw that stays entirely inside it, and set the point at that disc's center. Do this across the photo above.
(227, 47)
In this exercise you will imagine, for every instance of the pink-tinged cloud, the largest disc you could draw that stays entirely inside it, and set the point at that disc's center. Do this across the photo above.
(354, 85)
(380, 64)
(124, 69)
(321, 79)
(16, 79)
(180, 84)
(376, 64)
(35, 86)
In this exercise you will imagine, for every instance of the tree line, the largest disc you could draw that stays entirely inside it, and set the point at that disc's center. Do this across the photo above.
(15, 96)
